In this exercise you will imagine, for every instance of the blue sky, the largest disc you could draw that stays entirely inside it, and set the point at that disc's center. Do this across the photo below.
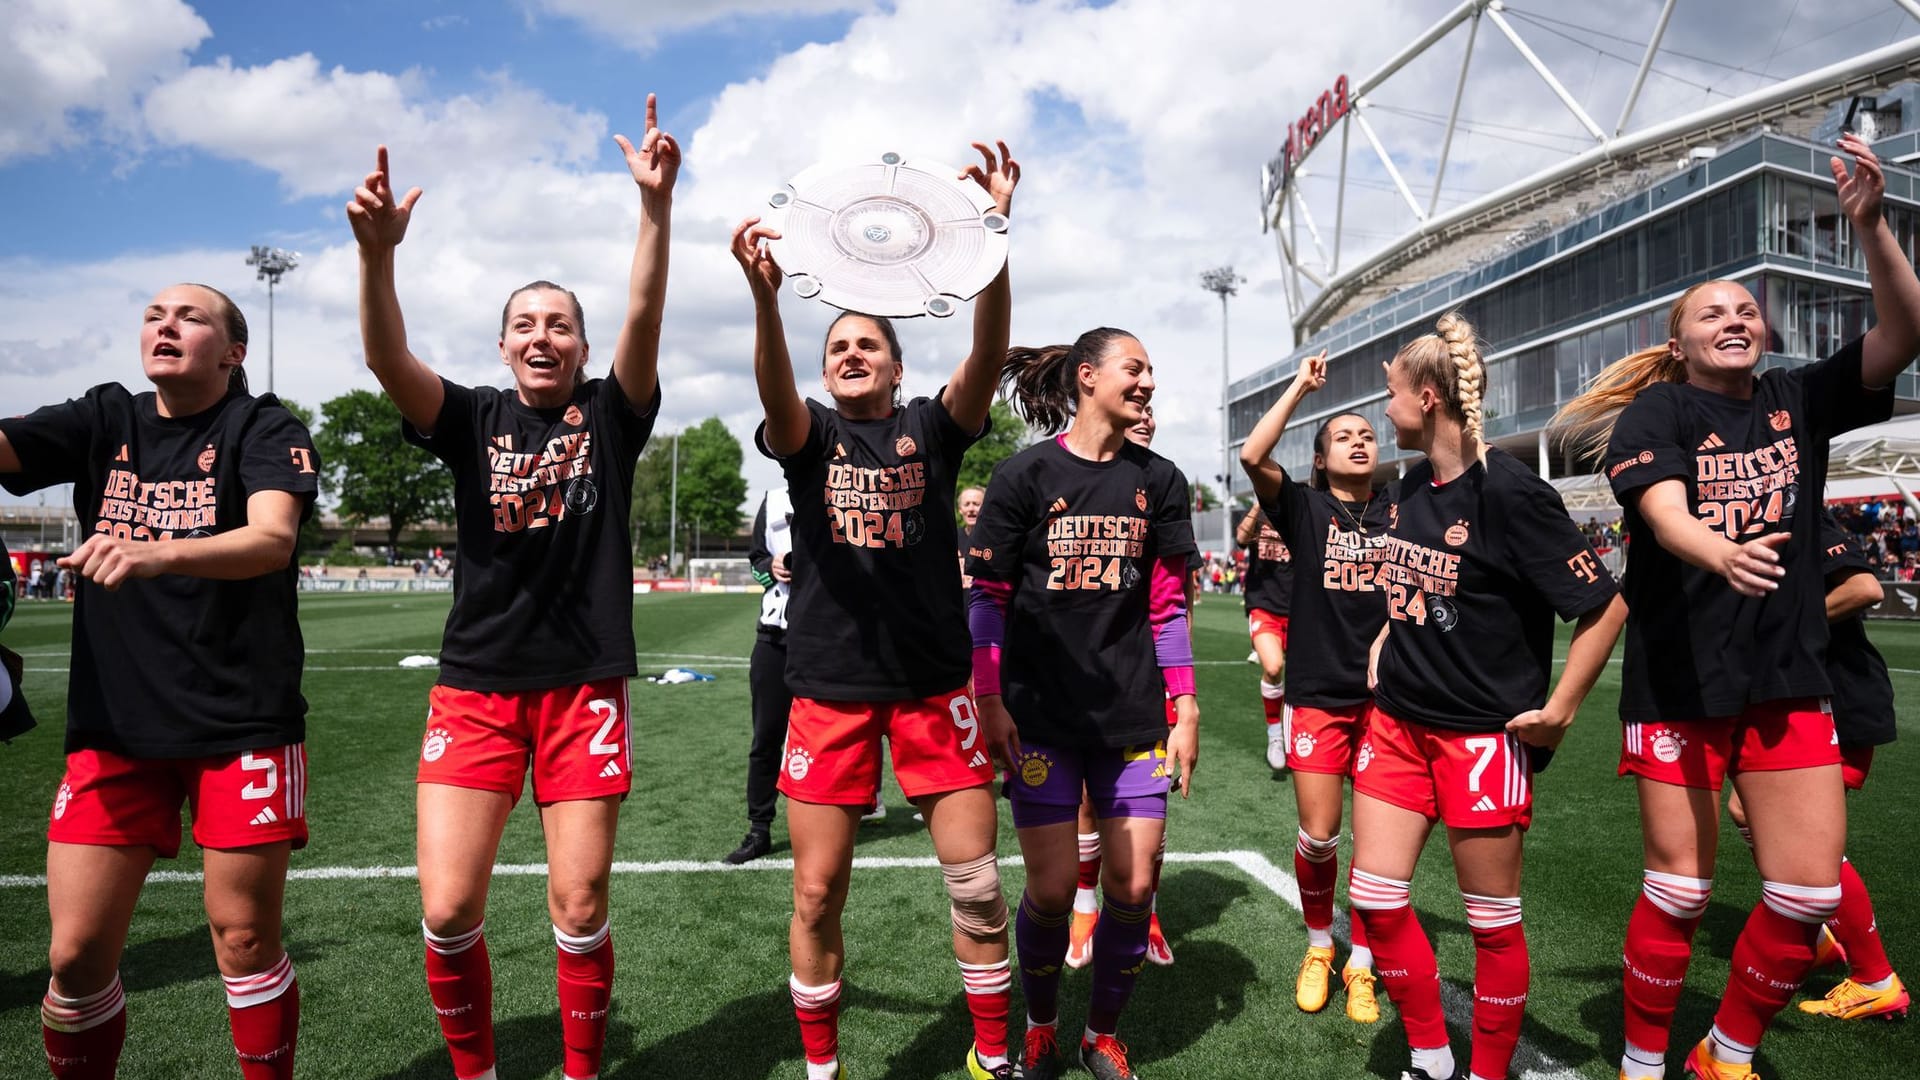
(144, 142)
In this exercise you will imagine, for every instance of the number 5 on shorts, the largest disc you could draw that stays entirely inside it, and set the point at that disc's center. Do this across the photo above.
(268, 784)
(966, 720)
(609, 711)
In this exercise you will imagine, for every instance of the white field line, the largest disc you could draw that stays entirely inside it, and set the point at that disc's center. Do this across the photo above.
(1530, 1063)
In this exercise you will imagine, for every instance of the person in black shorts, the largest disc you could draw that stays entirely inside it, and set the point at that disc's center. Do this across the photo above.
(1080, 631)
(15, 718)
(1863, 715)
(1335, 526)
(539, 645)
(877, 641)
(1480, 558)
(184, 684)
(767, 671)
(1719, 473)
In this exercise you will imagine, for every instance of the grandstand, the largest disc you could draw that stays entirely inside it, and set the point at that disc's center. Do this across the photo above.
(1572, 259)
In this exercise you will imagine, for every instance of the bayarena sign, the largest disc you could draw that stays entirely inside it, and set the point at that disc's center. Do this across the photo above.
(1305, 133)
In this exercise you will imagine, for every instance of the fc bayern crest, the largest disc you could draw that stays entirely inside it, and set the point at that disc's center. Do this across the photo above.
(205, 460)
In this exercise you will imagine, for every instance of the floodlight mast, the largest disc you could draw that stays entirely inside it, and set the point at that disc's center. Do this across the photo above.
(1223, 282)
(273, 264)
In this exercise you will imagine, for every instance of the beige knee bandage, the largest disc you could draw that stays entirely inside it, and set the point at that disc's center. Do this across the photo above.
(979, 909)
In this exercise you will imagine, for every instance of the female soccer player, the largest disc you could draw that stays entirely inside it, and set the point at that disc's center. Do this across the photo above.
(1719, 473)
(1080, 628)
(185, 678)
(1086, 900)
(539, 644)
(1269, 597)
(1336, 524)
(1863, 716)
(1481, 556)
(877, 638)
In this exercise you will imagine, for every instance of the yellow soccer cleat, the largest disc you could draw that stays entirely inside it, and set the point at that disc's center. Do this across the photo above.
(1316, 971)
(977, 1071)
(1080, 938)
(1702, 1065)
(1852, 1001)
(1363, 1007)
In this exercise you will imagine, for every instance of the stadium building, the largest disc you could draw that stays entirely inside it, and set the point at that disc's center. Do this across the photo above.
(1577, 264)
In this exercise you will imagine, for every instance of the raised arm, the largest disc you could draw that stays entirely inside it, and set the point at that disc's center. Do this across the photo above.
(1248, 528)
(655, 166)
(1256, 454)
(969, 392)
(379, 224)
(787, 418)
(1895, 338)
(1752, 568)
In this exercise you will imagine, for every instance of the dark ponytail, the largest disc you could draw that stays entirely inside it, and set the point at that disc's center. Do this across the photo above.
(1044, 382)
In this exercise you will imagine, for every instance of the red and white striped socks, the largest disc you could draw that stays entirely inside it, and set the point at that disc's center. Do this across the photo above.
(1501, 970)
(818, 1010)
(264, 1012)
(583, 971)
(989, 997)
(83, 1035)
(1404, 961)
(1770, 959)
(460, 982)
(1659, 944)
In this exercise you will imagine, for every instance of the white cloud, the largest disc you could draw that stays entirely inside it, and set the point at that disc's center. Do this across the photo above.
(61, 61)
(317, 129)
(641, 25)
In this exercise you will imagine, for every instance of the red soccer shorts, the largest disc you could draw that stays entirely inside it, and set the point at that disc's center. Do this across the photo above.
(1261, 621)
(575, 738)
(239, 800)
(1324, 740)
(1774, 735)
(832, 755)
(1469, 780)
(1855, 763)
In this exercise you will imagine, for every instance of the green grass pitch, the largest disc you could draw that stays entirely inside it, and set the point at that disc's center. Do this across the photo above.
(702, 978)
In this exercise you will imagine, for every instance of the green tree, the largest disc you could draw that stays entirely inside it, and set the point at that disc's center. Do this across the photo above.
(309, 541)
(1009, 436)
(712, 487)
(371, 472)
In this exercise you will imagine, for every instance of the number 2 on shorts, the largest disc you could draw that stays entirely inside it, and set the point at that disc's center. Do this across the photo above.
(607, 708)
(268, 784)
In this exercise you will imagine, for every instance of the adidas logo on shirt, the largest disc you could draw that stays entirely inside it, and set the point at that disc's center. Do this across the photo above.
(611, 769)
(1485, 804)
(265, 817)
(1059, 507)
(978, 760)
(1714, 442)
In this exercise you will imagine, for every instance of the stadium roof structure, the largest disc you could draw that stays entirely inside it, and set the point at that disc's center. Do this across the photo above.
(1325, 281)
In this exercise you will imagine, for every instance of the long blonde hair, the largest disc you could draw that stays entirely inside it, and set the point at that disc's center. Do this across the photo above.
(1588, 419)
(1449, 361)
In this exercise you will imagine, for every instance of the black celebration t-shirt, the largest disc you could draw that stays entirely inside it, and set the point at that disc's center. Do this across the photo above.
(175, 666)
(1078, 541)
(1269, 579)
(1695, 647)
(1862, 691)
(1339, 601)
(543, 575)
(1476, 570)
(877, 612)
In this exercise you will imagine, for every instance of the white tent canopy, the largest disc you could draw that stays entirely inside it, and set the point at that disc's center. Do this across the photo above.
(1880, 460)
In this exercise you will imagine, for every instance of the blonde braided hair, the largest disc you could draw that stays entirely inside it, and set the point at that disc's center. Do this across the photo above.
(1449, 361)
